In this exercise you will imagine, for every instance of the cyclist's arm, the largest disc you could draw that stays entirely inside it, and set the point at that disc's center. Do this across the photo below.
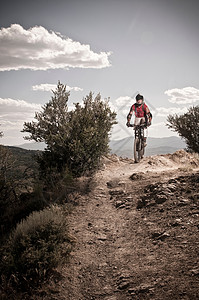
(148, 115)
(132, 109)
(147, 110)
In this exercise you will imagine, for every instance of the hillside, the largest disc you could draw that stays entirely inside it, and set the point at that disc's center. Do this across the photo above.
(32, 146)
(136, 233)
(24, 165)
(124, 147)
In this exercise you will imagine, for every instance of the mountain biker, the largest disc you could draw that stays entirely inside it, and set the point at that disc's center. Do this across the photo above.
(142, 114)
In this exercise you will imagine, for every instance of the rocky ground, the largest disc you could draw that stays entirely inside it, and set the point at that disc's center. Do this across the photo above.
(136, 232)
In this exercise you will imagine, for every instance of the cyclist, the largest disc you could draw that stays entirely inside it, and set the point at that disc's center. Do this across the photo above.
(142, 114)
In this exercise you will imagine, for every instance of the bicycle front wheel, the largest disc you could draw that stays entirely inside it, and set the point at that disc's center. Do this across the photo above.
(137, 150)
(142, 151)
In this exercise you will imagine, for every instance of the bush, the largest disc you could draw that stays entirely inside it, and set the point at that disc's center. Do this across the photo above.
(88, 140)
(12, 211)
(187, 126)
(37, 246)
(75, 140)
(18, 198)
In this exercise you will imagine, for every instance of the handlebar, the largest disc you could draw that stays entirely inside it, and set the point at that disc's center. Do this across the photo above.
(140, 125)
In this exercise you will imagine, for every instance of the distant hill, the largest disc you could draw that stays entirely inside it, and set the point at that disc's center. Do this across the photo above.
(155, 146)
(23, 163)
(32, 146)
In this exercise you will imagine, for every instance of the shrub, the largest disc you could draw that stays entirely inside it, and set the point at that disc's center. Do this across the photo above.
(14, 210)
(39, 244)
(17, 195)
(187, 126)
(75, 140)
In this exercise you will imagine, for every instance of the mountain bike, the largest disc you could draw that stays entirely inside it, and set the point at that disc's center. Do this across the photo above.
(138, 141)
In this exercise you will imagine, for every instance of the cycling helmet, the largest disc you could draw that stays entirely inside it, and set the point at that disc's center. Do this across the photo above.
(139, 97)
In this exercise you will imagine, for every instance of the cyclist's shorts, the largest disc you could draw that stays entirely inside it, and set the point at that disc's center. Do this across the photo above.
(138, 121)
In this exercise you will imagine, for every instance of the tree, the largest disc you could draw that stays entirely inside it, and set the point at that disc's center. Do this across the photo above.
(187, 126)
(52, 128)
(52, 123)
(89, 133)
(76, 139)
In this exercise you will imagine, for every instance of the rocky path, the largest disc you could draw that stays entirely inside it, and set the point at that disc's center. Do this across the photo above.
(96, 254)
(137, 236)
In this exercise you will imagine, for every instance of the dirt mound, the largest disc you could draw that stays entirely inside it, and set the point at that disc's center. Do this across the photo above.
(180, 159)
(184, 158)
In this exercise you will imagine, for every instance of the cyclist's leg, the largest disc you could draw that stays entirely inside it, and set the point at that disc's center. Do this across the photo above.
(142, 121)
(139, 121)
(145, 143)
(136, 141)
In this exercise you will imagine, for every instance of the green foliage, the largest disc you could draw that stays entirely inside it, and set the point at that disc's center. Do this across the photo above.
(76, 139)
(17, 198)
(187, 126)
(8, 194)
(89, 134)
(52, 123)
(37, 246)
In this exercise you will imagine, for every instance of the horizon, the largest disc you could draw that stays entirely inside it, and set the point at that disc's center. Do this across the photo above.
(123, 147)
(111, 140)
(151, 137)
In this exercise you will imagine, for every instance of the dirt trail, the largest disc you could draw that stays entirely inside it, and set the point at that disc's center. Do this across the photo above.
(137, 232)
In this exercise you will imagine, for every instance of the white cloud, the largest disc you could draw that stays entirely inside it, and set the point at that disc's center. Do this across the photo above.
(160, 130)
(187, 95)
(124, 101)
(49, 87)
(11, 105)
(13, 115)
(121, 105)
(39, 49)
(164, 112)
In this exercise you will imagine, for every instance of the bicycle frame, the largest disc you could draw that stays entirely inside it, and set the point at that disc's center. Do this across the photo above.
(139, 131)
(138, 141)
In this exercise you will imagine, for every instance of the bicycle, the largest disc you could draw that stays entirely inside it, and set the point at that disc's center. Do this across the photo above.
(139, 148)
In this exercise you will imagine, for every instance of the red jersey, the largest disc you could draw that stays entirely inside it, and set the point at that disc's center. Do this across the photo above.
(140, 111)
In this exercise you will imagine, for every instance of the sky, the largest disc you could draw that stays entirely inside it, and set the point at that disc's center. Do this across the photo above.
(112, 47)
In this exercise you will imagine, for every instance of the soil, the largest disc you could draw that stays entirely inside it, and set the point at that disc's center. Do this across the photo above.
(136, 232)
